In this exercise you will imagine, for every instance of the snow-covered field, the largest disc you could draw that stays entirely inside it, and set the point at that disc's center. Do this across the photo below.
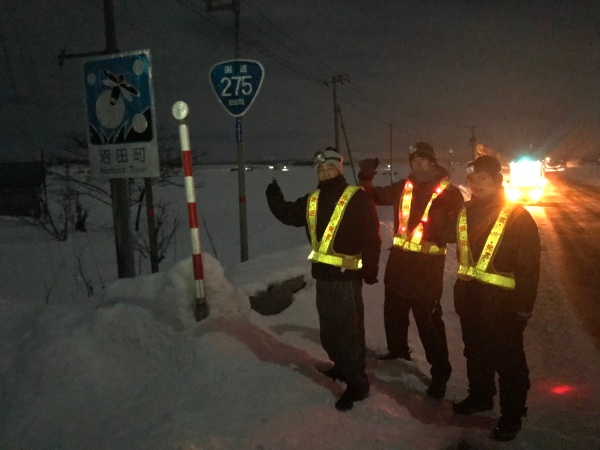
(129, 368)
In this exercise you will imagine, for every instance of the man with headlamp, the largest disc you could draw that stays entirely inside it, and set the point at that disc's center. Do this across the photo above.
(498, 248)
(342, 225)
(425, 205)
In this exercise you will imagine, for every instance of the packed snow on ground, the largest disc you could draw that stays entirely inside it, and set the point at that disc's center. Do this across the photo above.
(128, 367)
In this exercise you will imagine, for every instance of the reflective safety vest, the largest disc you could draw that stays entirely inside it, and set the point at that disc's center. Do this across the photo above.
(413, 242)
(467, 270)
(323, 251)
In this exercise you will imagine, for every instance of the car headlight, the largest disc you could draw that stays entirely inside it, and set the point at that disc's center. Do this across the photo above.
(513, 194)
(536, 194)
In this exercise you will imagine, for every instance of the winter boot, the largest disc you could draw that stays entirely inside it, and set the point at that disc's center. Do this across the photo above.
(350, 396)
(437, 388)
(473, 404)
(391, 356)
(507, 428)
(332, 373)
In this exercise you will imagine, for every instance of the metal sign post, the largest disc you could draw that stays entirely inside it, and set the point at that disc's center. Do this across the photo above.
(236, 83)
(121, 132)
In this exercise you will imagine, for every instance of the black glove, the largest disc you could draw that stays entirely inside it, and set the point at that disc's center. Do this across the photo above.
(273, 189)
(371, 280)
(368, 168)
(368, 165)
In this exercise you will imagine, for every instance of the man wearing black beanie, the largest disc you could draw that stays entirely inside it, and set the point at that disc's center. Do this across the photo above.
(499, 268)
(425, 205)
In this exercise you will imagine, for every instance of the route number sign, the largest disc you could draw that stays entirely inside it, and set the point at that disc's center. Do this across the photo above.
(236, 83)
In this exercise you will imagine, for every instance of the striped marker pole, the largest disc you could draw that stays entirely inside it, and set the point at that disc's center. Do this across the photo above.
(180, 112)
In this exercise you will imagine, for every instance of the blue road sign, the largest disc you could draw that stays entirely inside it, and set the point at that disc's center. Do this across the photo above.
(120, 112)
(236, 83)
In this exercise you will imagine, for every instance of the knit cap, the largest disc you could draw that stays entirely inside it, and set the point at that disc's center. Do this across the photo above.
(329, 156)
(422, 149)
(487, 164)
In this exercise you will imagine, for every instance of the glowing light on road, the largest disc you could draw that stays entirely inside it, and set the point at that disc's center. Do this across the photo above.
(562, 389)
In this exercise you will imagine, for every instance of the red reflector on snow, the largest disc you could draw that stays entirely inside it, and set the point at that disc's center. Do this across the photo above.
(562, 389)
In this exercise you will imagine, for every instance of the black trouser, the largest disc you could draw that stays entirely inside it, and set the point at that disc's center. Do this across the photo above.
(428, 317)
(493, 341)
(341, 319)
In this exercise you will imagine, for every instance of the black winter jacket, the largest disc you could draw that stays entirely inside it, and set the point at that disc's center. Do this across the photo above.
(358, 230)
(413, 274)
(518, 252)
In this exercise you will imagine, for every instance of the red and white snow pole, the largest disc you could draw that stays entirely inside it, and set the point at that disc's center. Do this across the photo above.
(180, 112)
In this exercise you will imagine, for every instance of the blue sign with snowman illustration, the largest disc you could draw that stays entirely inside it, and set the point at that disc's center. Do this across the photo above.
(236, 83)
(121, 119)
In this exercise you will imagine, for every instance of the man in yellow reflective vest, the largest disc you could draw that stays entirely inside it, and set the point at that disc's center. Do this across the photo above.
(424, 207)
(499, 267)
(342, 226)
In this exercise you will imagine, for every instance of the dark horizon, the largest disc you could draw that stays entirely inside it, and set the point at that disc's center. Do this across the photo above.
(512, 74)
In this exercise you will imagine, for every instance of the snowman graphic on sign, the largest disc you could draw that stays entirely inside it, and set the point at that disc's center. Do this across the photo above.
(110, 105)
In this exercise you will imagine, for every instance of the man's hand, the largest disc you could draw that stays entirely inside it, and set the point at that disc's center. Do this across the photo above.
(273, 189)
(368, 168)
(369, 165)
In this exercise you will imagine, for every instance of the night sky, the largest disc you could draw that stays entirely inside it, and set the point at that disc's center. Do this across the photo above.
(525, 75)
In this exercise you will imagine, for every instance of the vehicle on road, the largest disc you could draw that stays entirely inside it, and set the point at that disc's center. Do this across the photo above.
(525, 182)
(554, 164)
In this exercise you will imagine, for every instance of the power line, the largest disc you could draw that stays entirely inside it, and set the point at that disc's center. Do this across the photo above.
(290, 37)
(290, 66)
(371, 98)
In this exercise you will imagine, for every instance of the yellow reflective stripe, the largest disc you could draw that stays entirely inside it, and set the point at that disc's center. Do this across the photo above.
(323, 251)
(463, 241)
(346, 262)
(405, 201)
(443, 185)
(401, 239)
(311, 217)
(486, 277)
(334, 221)
(425, 247)
(492, 241)
(479, 270)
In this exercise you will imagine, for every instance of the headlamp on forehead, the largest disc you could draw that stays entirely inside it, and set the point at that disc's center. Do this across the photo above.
(421, 150)
(321, 157)
(470, 168)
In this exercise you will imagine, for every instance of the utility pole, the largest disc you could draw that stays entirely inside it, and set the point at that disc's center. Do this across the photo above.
(234, 6)
(336, 109)
(473, 142)
(119, 187)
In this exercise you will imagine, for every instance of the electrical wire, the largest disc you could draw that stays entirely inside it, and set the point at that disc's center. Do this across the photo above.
(279, 29)
(260, 47)
(370, 96)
